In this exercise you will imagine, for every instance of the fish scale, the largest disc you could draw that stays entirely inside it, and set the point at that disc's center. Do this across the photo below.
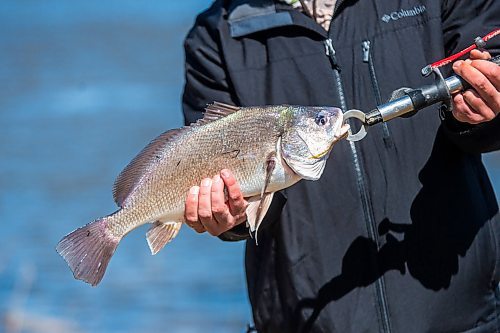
(266, 148)
(166, 185)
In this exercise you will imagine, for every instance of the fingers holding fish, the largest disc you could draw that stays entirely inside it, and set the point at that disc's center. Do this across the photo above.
(191, 210)
(230, 209)
(215, 214)
(205, 214)
(220, 208)
(237, 203)
(206, 208)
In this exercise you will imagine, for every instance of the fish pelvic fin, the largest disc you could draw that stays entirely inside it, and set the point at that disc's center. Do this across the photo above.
(258, 206)
(88, 249)
(160, 234)
(256, 210)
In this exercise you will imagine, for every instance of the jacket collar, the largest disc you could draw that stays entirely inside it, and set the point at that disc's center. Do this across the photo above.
(250, 16)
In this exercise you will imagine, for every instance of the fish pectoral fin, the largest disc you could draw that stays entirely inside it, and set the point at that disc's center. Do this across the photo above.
(160, 234)
(270, 166)
(257, 209)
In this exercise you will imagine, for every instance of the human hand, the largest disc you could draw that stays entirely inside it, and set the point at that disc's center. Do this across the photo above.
(483, 103)
(206, 208)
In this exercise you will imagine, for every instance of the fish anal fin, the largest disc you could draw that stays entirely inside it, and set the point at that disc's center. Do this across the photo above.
(137, 168)
(160, 234)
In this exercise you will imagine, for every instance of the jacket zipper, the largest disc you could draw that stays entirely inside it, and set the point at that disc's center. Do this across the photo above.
(365, 200)
(368, 59)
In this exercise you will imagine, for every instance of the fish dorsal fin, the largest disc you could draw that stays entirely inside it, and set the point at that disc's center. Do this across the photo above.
(135, 170)
(215, 111)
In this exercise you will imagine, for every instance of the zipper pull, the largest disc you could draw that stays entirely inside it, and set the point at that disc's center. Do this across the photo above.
(330, 52)
(366, 50)
(329, 47)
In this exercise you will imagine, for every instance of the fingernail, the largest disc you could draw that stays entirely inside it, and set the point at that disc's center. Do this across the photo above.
(468, 61)
(216, 179)
(225, 173)
(194, 190)
(457, 64)
(206, 182)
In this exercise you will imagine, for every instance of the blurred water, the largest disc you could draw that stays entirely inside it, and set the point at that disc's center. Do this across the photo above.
(83, 86)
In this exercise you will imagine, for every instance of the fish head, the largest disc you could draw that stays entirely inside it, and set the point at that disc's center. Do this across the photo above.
(308, 138)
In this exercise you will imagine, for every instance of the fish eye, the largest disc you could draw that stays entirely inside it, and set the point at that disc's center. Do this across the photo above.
(320, 119)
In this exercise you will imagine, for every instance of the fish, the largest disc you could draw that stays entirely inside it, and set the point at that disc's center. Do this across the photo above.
(267, 149)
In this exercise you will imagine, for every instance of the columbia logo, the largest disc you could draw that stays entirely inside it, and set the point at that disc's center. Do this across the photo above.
(394, 16)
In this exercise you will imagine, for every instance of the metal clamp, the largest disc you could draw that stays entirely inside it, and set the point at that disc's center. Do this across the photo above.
(360, 115)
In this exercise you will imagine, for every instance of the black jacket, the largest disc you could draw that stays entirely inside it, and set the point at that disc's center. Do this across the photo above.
(401, 233)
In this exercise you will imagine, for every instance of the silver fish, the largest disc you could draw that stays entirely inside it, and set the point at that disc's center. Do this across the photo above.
(267, 148)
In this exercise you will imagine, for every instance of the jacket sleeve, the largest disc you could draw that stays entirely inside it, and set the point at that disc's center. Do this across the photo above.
(205, 74)
(462, 22)
(206, 82)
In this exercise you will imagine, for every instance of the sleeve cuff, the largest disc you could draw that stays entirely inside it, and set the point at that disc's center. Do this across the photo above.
(238, 233)
(480, 138)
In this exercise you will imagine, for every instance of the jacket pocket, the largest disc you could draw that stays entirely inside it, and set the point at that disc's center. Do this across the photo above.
(366, 47)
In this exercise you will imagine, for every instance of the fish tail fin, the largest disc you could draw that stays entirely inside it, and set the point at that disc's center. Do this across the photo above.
(88, 249)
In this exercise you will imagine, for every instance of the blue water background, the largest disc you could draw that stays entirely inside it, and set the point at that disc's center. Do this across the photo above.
(83, 86)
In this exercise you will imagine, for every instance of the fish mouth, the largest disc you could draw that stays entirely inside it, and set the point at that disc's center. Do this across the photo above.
(342, 133)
